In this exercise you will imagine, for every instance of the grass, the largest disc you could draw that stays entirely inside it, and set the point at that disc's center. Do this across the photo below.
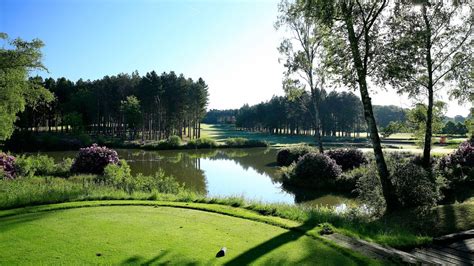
(69, 234)
(398, 230)
(404, 141)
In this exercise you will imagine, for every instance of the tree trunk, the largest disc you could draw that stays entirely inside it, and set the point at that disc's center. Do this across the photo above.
(387, 186)
(429, 114)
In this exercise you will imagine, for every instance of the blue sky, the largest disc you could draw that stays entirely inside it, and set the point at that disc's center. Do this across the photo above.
(232, 44)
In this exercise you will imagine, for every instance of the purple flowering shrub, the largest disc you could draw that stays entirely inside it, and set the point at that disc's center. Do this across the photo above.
(314, 170)
(7, 166)
(348, 158)
(458, 167)
(94, 159)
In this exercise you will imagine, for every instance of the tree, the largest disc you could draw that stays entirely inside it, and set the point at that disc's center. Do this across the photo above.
(353, 50)
(131, 111)
(430, 47)
(16, 91)
(416, 119)
(300, 52)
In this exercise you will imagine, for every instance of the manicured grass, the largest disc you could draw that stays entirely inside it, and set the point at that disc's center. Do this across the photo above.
(67, 234)
(221, 132)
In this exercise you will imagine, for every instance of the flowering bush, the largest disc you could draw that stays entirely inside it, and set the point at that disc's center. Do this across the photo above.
(347, 158)
(458, 167)
(7, 166)
(94, 159)
(314, 170)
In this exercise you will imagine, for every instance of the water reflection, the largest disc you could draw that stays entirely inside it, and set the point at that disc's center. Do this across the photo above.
(250, 173)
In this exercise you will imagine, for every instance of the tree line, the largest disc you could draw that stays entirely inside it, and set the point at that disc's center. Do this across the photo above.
(340, 112)
(149, 107)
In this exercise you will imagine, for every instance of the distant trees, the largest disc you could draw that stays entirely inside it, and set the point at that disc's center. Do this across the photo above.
(151, 107)
(215, 116)
(341, 115)
(17, 59)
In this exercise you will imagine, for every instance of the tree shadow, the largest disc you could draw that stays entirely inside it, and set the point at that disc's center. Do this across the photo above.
(11, 222)
(291, 235)
(164, 258)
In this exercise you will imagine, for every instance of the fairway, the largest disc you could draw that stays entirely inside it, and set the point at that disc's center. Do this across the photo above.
(155, 235)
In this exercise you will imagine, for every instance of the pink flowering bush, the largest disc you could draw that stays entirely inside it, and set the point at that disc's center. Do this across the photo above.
(94, 159)
(7, 166)
(458, 167)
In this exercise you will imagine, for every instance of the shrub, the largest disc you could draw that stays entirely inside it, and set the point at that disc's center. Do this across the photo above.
(348, 158)
(7, 166)
(29, 166)
(413, 186)
(347, 182)
(287, 156)
(314, 170)
(369, 189)
(243, 142)
(120, 177)
(202, 143)
(174, 141)
(458, 167)
(94, 159)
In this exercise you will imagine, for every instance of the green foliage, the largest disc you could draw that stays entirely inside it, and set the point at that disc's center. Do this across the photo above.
(314, 170)
(244, 143)
(454, 128)
(287, 156)
(15, 89)
(416, 119)
(75, 121)
(415, 188)
(392, 128)
(202, 143)
(130, 108)
(42, 165)
(119, 176)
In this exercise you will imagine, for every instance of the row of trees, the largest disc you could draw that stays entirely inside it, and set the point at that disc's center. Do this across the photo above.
(415, 47)
(150, 107)
(340, 114)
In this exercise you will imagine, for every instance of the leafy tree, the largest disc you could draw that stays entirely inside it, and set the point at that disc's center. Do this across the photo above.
(430, 47)
(300, 52)
(17, 59)
(352, 54)
(416, 119)
(130, 108)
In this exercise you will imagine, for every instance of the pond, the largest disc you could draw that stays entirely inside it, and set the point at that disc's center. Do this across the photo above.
(250, 173)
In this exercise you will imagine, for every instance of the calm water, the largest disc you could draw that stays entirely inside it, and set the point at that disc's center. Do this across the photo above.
(250, 173)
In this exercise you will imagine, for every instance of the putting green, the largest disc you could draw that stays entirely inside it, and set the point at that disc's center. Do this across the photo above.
(156, 235)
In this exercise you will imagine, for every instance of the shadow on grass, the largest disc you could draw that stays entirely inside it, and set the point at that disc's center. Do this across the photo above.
(333, 254)
(12, 222)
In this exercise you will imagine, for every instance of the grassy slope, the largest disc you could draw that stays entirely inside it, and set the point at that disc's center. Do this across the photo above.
(140, 234)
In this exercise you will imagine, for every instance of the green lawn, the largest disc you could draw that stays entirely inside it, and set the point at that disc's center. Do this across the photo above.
(220, 132)
(154, 235)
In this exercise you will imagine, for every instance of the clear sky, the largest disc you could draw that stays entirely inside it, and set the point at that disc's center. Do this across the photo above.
(231, 44)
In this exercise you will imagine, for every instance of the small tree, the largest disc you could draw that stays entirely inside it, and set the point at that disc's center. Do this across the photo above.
(132, 114)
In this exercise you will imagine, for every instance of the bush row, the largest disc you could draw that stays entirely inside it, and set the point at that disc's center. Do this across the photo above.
(346, 158)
